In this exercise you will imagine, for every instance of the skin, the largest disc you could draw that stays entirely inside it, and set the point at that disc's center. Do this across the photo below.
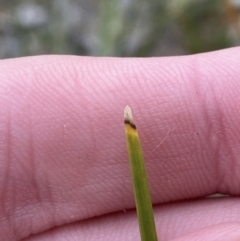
(64, 171)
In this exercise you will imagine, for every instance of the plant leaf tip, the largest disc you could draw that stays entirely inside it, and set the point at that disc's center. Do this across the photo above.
(128, 116)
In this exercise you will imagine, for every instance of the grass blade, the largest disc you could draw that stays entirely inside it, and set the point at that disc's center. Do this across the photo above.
(140, 183)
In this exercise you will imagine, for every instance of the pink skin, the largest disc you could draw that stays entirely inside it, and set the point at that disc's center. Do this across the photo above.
(63, 157)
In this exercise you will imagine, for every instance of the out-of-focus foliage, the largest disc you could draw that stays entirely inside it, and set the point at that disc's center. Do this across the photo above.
(117, 27)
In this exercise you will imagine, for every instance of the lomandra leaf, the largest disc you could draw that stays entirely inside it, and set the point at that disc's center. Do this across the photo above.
(139, 177)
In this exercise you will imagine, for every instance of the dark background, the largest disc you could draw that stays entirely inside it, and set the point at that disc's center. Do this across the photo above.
(117, 27)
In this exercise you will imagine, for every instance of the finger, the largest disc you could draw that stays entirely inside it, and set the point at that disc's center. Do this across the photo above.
(227, 231)
(198, 220)
(63, 151)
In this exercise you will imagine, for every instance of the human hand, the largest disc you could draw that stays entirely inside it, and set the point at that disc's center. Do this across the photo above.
(64, 170)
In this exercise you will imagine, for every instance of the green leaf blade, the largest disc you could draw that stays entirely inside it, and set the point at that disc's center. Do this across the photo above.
(140, 183)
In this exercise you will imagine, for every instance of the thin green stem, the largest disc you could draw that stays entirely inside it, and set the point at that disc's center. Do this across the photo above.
(140, 183)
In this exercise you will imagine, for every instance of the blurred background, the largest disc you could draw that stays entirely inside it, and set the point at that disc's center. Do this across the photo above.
(117, 27)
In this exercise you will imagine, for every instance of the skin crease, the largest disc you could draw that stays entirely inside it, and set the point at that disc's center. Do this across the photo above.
(64, 171)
